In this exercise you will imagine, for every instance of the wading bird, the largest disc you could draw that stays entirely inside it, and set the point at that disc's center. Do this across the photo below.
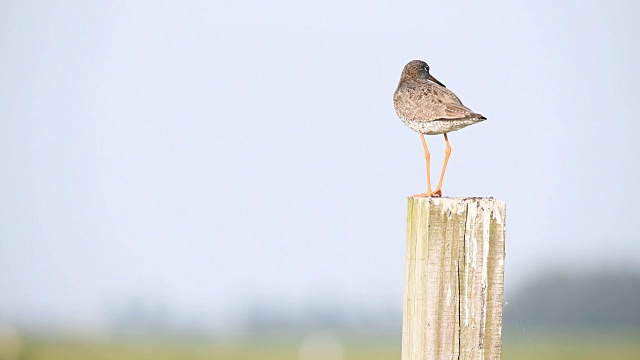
(427, 107)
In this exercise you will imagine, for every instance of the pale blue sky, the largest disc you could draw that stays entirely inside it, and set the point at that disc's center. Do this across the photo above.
(212, 153)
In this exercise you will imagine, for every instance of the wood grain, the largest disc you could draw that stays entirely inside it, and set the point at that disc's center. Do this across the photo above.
(454, 279)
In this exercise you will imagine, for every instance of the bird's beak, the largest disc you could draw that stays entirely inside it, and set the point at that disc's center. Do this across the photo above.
(436, 80)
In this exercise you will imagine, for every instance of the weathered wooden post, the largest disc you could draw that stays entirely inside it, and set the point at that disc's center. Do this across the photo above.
(454, 279)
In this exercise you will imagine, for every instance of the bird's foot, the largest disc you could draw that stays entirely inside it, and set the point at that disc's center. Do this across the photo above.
(429, 194)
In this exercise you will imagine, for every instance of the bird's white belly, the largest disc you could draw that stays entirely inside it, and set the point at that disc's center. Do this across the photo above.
(435, 127)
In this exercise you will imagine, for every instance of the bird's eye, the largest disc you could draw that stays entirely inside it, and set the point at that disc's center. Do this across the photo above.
(426, 68)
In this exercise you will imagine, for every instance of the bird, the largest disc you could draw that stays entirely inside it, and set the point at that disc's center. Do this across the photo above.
(428, 107)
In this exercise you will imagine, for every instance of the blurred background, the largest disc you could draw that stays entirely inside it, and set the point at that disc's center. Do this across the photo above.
(228, 180)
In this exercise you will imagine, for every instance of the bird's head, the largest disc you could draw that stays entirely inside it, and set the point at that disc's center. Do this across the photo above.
(418, 69)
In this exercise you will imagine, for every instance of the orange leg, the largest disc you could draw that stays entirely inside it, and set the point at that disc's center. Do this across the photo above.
(447, 152)
(427, 157)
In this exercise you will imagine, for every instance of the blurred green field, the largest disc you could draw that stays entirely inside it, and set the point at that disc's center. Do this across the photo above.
(61, 350)
(563, 346)
(567, 346)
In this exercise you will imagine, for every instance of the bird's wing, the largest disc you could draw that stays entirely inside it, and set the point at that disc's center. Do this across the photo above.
(455, 112)
(429, 101)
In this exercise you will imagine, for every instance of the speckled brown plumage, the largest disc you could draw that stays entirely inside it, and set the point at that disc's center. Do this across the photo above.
(426, 106)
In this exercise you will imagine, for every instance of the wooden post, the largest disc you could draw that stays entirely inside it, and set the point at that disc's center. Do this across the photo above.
(454, 279)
